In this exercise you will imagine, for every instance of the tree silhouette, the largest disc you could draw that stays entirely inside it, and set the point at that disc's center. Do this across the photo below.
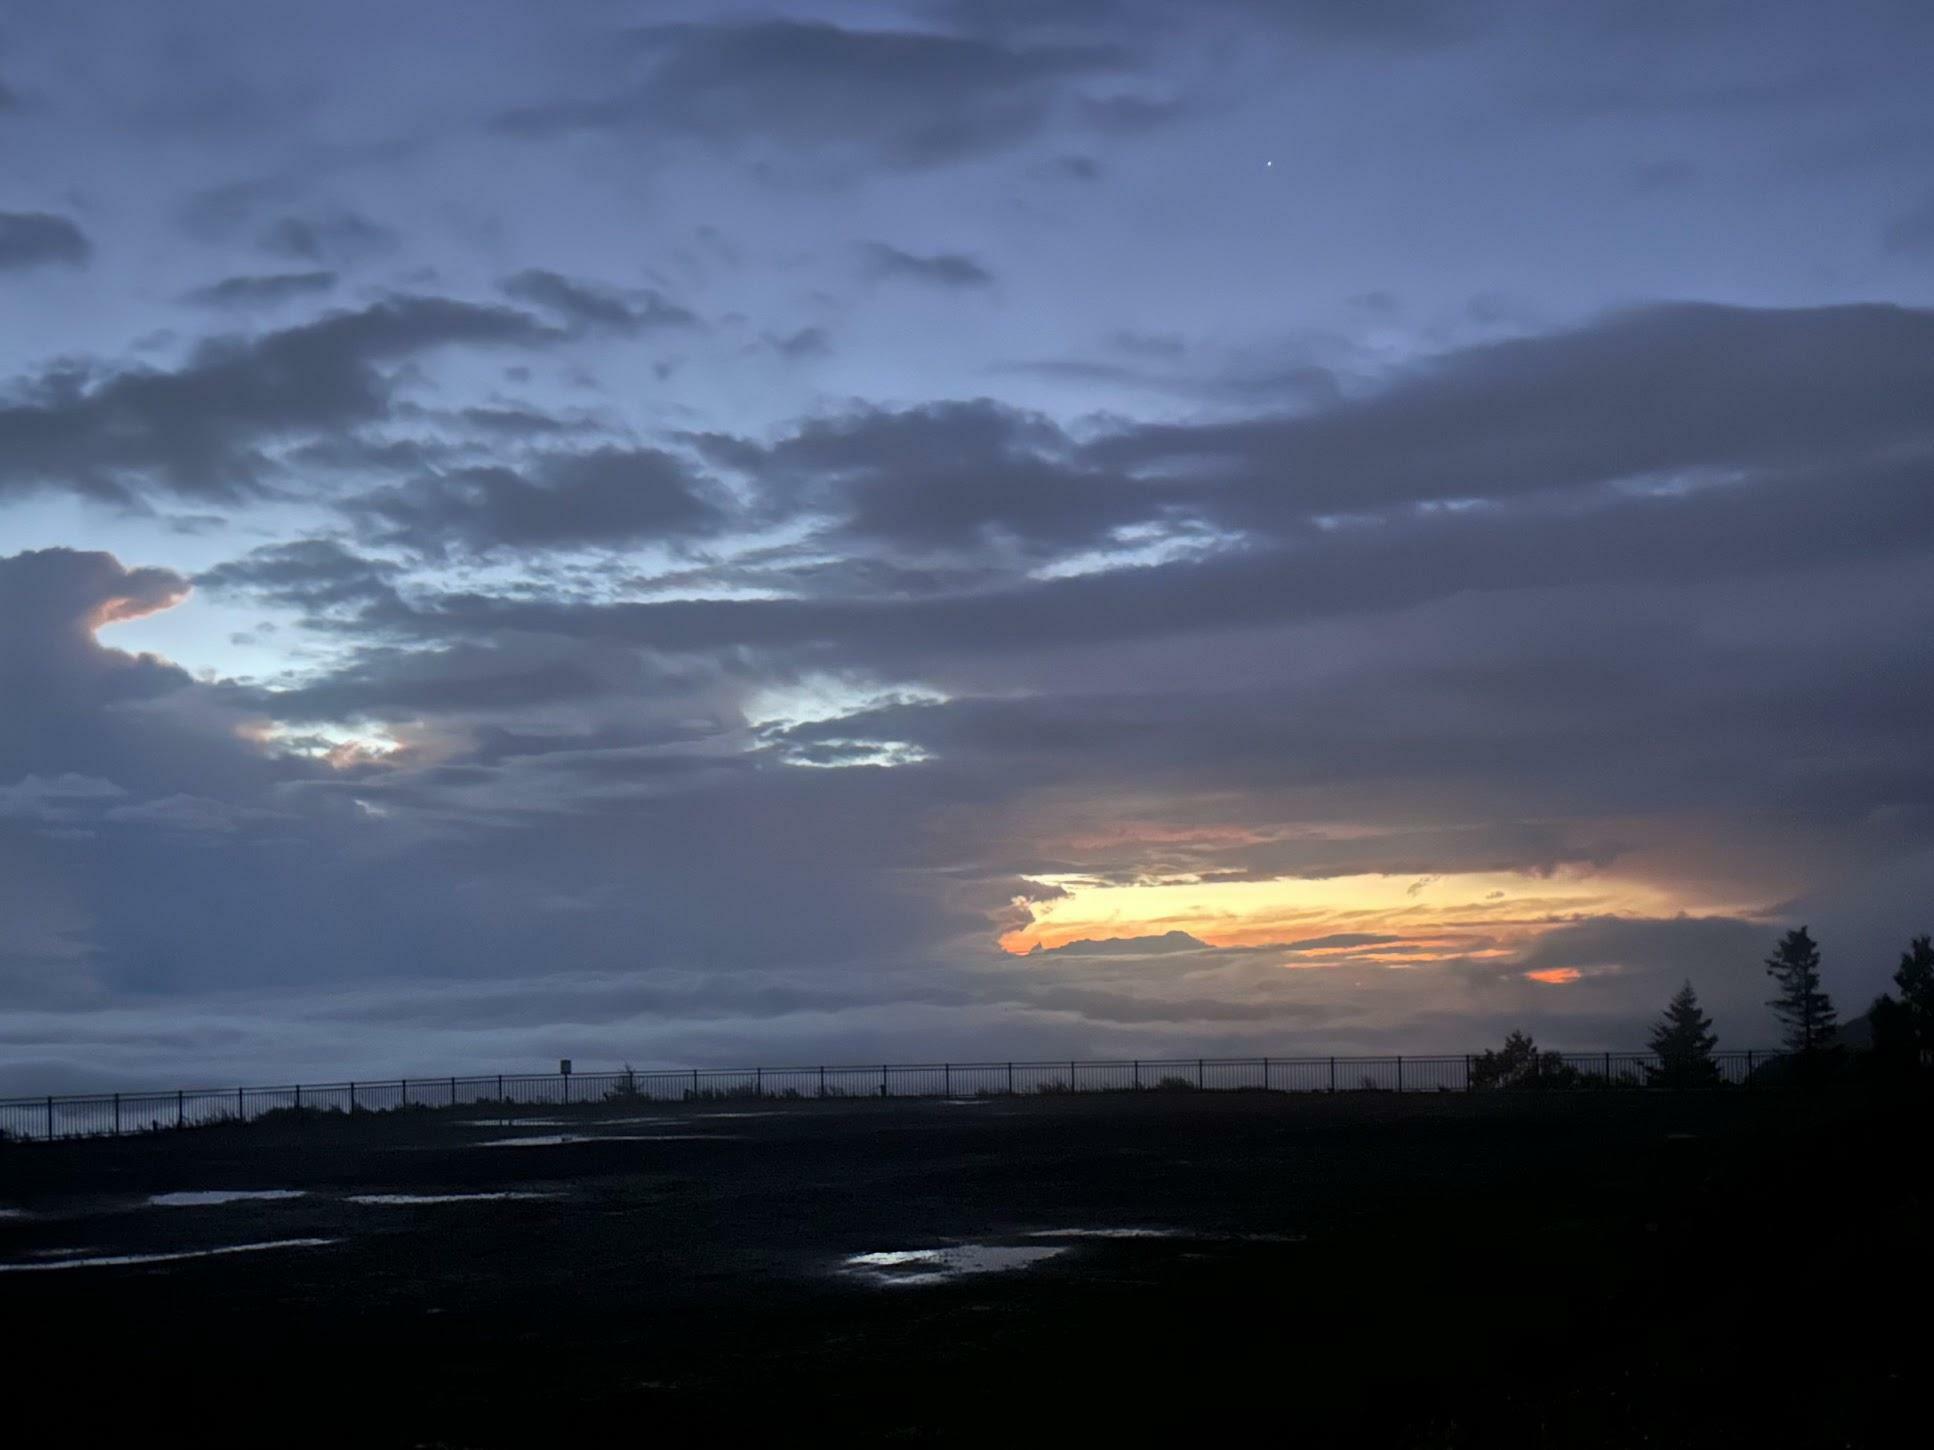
(1683, 1040)
(1915, 978)
(1519, 1064)
(1803, 1009)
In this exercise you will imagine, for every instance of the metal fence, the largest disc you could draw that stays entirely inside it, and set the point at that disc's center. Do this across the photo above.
(109, 1114)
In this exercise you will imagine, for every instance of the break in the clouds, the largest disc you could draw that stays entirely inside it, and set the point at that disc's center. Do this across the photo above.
(964, 528)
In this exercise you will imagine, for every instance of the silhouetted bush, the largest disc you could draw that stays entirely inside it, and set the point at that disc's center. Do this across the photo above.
(1175, 1085)
(1519, 1065)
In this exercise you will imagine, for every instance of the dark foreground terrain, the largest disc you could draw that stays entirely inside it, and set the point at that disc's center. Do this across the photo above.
(1541, 1269)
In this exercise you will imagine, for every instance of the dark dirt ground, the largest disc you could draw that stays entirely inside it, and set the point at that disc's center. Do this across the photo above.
(1554, 1269)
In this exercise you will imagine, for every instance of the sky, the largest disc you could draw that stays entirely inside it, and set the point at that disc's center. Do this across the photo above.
(682, 535)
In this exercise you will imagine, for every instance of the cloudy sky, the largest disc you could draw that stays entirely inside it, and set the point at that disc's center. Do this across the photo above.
(656, 533)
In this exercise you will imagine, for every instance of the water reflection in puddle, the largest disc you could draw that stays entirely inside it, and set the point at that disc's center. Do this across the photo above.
(939, 1266)
(407, 1200)
(220, 1195)
(117, 1260)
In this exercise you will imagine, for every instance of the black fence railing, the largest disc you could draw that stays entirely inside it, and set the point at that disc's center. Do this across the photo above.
(109, 1114)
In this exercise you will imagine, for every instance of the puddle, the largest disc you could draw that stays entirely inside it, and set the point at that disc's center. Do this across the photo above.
(939, 1266)
(1105, 1233)
(509, 1122)
(552, 1140)
(13, 1213)
(118, 1260)
(221, 1195)
(61, 1253)
(767, 1113)
(408, 1200)
(968, 1102)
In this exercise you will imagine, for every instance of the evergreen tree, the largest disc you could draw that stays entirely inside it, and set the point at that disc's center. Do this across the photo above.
(1683, 1041)
(1804, 1010)
(1915, 978)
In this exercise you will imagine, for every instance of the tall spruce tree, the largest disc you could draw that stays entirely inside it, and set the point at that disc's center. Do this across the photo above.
(1804, 1010)
(1683, 1041)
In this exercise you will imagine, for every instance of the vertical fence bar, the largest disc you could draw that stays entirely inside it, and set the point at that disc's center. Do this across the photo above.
(1138, 1072)
(1265, 1073)
(241, 1108)
(1072, 1087)
(453, 1092)
(1468, 1085)
(758, 1082)
(50, 1118)
(1332, 1074)
(500, 1087)
(1198, 1072)
(1608, 1069)
(298, 1097)
(117, 1115)
(1010, 1079)
(352, 1097)
(1400, 1072)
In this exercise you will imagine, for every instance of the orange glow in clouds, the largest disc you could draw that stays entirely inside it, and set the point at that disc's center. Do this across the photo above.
(1390, 920)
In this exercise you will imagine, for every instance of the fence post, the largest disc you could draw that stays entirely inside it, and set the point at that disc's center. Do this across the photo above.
(117, 1115)
(241, 1108)
(947, 1078)
(1198, 1073)
(1071, 1078)
(1332, 1074)
(1265, 1073)
(50, 1119)
(1749, 1067)
(500, 1087)
(403, 1091)
(1010, 1079)
(822, 1082)
(298, 1097)
(694, 1083)
(1400, 1072)
(352, 1097)
(1469, 1086)
(181, 1107)
(758, 1082)
(1608, 1069)
(1138, 1072)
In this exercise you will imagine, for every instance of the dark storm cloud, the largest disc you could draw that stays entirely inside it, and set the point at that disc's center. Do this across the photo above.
(1668, 948)
(608, 496)
(945, 269)
(1638, 394)
(907, 98)
(38, 239)
(315, 575)
(594, 305)
(943, 477)
(331, 238)
(198, 430)
(261, 291)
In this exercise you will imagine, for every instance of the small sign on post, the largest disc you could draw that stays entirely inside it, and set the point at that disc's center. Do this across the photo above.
(564, 1067)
